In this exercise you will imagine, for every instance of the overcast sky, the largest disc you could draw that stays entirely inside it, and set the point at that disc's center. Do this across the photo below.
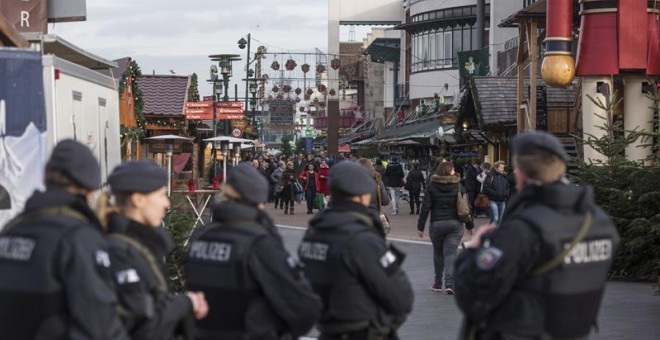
(180, 35)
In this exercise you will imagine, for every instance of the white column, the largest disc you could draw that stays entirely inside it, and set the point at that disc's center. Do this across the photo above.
(637, 114)
(593, 117)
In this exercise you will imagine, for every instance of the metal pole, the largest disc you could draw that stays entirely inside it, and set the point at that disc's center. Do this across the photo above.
(247, 72)
(225, 153)
(225, 79)
(169, 169)
(215, 131)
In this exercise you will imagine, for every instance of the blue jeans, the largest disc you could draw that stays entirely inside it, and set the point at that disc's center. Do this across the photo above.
(496, 210)
(445, 236)
(309, 196)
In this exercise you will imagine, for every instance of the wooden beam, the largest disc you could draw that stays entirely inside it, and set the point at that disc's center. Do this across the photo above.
(520, 117)
(9, 36)
(532, 33)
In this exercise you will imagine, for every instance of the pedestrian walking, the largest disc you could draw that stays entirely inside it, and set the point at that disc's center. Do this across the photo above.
(365, 292)
(276, 178)
(324, 173)
(541, 273)
(415, 183)
(379, 197)
(57, 282)
(138, 247)
(310, 183)
(288, 188)
(496, 187)
(445, 230)
(472, 185)
(394, 181)
(255, 289)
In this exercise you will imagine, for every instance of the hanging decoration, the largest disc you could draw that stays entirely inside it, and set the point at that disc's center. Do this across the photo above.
(302, 109)
(265, 77)
(335, 64)
(279, 96)
(321, 88)
(298, 91)
(332, 92)
(290, 65)
(309, 92)
(320, 68)
(305, 68)
(286, 88)
(297, 100)
(276, 89)
(275, 65)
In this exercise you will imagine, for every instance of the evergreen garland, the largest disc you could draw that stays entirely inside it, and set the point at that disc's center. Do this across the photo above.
(193, 91)
(136, 132)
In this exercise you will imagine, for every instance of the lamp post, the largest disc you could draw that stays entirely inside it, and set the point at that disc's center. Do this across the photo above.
(217, 90)
(253, 86)
(242, 43)
(225, 62)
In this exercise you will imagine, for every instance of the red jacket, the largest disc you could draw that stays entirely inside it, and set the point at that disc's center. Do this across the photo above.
(323, 178)
(304, 177)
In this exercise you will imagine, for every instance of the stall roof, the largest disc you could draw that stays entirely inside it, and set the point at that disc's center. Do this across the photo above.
(53, 44)
(494, 98)
(536, 10)
(384, 49)
(164, 94)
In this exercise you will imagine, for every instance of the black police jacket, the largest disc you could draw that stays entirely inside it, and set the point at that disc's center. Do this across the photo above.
(253, 286)
(137, 252)
(358, 277)
(55, 269)
(496, 287)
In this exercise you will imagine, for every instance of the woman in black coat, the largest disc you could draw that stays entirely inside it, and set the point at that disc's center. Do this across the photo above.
(445, 229)
(288, 188)
(414, 184)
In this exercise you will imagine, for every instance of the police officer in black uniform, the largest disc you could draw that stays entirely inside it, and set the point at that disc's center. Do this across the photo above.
(541, 273)
(56, 281)
(365, 292)
(138, 247)
(255, 289)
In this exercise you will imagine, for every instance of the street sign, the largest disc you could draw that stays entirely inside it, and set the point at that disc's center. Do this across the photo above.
(204, 110)
(199, 104)
(236, 132)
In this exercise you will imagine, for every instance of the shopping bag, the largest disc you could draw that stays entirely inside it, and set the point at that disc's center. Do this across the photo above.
(318, 202)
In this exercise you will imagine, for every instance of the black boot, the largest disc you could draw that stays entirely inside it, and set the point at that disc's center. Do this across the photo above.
(412, 208)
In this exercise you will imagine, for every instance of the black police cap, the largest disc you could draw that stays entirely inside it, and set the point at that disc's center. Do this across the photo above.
(538, 143)
(76, 161)
(249, 183)
(137, 176)
(351, 178)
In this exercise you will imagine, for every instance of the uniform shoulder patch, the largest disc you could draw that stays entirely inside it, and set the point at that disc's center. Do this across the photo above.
(387, 259)
(102, 258)
(487, 258)
(128, 276)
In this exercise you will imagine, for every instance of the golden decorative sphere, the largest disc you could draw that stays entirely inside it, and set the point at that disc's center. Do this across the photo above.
(558, 70)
